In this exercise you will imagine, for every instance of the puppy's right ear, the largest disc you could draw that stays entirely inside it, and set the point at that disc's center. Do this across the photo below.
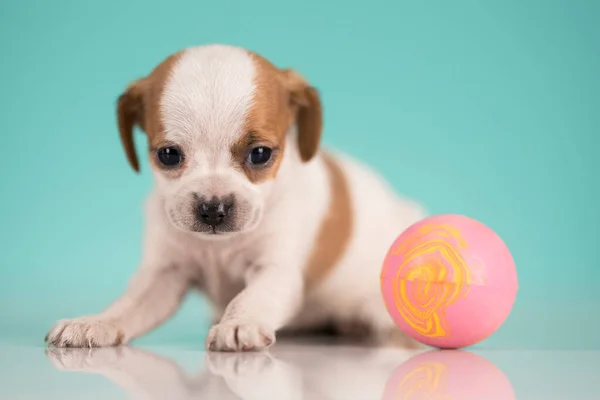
(130, 112)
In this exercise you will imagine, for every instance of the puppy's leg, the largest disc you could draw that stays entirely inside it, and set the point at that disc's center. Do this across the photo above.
(152, 296)
(271, 297)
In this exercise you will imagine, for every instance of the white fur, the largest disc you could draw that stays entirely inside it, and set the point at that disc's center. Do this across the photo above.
(206, 98)
(253, 278)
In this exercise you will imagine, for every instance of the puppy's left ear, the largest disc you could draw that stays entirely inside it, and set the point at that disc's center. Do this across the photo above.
(306, 104)
(130, 112)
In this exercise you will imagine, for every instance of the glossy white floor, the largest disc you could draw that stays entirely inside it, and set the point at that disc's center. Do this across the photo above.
(295, 370)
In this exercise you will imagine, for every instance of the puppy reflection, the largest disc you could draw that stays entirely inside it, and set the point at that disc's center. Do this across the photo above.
(287, 372)
(296, 372)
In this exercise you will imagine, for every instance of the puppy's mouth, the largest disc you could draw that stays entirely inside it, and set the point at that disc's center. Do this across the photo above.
(228, 229)
(239, 220)
(213, 232)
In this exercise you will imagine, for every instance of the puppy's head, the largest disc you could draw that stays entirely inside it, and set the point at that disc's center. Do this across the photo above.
(217, 120)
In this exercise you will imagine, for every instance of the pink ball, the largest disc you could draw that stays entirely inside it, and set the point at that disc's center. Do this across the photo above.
(449, 281)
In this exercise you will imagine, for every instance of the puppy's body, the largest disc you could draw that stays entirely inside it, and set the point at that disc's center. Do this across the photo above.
(305, 235)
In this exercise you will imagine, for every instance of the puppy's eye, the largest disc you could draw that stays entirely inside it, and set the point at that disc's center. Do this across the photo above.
(259, 155)
(169, 156)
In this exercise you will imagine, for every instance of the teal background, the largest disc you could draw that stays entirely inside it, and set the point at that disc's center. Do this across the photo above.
(486, 108)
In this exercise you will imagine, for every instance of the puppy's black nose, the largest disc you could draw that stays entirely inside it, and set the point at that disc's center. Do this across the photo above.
(214, 212)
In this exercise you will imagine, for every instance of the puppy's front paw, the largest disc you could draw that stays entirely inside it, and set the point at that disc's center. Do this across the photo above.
(85, 332)
(238, 335)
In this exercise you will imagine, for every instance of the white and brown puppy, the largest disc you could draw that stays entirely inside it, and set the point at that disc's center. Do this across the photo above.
(277, 234)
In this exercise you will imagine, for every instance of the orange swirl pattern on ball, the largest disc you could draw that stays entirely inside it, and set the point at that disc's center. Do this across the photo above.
(427, 381)
(432, 276)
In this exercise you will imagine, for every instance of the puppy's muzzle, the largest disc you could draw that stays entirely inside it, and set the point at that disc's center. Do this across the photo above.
(214, 212)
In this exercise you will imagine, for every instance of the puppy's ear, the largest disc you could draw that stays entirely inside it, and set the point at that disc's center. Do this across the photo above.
(130, 112)
(306, 104)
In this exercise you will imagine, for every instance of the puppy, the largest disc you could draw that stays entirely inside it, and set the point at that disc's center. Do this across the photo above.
(279, 235)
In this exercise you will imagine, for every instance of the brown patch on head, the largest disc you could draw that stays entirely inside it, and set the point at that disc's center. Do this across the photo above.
(281, 98)
(336, 228)
(267, 122)
(139, 105)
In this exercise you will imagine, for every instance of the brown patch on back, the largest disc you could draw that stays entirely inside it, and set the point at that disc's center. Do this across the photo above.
(336, 228)
(139, 105)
